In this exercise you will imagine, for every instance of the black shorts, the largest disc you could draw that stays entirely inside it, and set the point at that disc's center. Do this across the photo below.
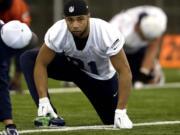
(135, 61)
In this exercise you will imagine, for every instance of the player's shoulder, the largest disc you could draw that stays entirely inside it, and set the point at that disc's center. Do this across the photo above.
(61, 24)
(56, 34)
(58, 28)
(105, 33)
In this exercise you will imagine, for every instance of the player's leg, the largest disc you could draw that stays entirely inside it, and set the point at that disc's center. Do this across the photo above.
(15, 82)
(5, 103)
(103, 95)
(27, 61)
(62, 69)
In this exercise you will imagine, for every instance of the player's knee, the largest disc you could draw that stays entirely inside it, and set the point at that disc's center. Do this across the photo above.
(27, 59)
(24, 59)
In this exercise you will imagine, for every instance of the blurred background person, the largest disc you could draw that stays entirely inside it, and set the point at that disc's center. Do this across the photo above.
(143, 27)
(15, 10)
(15, 37)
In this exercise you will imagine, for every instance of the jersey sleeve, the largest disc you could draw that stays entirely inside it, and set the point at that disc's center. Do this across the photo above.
(55, 37)
(116, 46)
(112, 39)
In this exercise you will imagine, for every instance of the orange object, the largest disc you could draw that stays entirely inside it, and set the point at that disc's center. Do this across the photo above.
(170, 52)
(18, 11)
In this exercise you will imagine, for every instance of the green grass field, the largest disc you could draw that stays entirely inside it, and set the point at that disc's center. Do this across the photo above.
(144, 106)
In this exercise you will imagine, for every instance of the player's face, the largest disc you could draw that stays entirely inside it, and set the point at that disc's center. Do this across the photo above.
(78, 25)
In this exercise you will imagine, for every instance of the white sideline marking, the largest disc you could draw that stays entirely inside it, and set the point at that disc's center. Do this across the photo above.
(60, 90)
(76, 89)
(166, 85)
(96, 127)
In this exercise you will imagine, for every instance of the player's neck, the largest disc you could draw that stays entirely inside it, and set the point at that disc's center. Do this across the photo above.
(80, 42)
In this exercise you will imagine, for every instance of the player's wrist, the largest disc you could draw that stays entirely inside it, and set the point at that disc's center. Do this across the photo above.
(120, 111)
(145, 75)
(43, 100)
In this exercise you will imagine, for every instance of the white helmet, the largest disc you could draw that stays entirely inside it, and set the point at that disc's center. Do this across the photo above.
(16, 34)
(151, 27)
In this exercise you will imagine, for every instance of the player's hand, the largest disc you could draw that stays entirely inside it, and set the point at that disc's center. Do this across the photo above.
(121, 119)
(45, 108)
(145, 77)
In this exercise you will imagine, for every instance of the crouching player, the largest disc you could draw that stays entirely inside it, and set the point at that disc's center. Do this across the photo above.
(86, 51)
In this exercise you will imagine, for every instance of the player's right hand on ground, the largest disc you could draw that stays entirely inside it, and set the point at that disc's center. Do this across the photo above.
(45, 108)
(121, 119)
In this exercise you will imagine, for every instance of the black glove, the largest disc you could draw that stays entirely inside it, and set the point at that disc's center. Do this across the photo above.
(145, 78)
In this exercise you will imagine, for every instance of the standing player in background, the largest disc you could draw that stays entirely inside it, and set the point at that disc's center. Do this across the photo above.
(143, 27)
(88, 52)
(15, 37)
(15, 10)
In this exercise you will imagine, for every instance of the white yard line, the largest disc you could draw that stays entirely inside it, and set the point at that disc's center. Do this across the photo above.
(60, 90)
(166, 85)
(76, 89)
(96, 127)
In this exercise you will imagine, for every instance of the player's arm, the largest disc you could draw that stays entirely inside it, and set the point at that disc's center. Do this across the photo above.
(121, 65)
(150, 54)
(147, 67)
(45, 56)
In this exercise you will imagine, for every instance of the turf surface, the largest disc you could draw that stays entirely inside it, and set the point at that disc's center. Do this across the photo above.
(144, 106)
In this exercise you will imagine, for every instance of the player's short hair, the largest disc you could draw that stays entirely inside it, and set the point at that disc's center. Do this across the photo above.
(141, 16)
(75, 8)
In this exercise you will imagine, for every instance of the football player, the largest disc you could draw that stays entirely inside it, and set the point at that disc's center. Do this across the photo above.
(14, 38)
(15, 10)
(87, 51)
(143, 27)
